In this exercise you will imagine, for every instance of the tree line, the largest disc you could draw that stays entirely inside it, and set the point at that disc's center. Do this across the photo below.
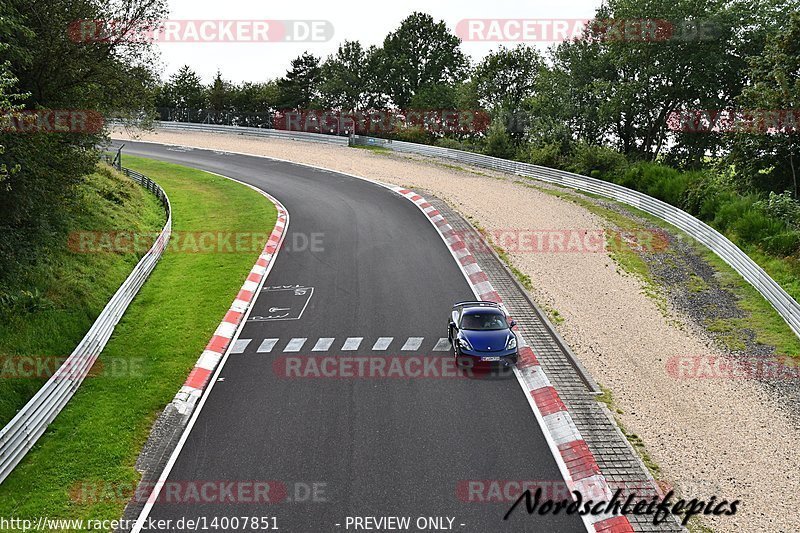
(603, 104)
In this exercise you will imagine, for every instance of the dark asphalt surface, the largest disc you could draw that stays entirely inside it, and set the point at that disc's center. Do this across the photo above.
(372, 447)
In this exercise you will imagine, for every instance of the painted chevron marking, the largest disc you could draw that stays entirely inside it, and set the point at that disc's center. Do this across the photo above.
(267, 345)
(323, 344)
(382, 343)
(352, 343)
(295, 345)
(413, 343)
(442, 345)
(240, 345)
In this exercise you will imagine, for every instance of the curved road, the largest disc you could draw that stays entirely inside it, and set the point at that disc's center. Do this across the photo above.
(371, 447)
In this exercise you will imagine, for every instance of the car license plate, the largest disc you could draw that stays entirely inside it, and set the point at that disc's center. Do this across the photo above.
(490, 358)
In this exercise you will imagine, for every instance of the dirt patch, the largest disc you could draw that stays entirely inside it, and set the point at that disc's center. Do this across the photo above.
(723, 437)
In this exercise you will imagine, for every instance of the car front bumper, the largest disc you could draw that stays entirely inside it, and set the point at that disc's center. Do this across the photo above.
(474, 357)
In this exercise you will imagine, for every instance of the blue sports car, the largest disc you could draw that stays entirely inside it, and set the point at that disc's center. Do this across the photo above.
(481, 335)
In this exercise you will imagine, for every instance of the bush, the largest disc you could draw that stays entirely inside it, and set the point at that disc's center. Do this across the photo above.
(447, 142)
(596, 161)
(660, 181)
(498, 142)
(783, 207)
(412, 134)
(546, 155)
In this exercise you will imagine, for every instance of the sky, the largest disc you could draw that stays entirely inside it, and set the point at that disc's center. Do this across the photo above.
(365, 20)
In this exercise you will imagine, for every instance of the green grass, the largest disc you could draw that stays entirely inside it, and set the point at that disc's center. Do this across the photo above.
(97, 438)
(770, 329)
(638, 444)
(626, 258)
(53, 302)
(372, 148)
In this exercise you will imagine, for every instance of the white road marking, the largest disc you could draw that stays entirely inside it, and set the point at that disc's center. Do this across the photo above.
(267, 345)
(323, 344)
(352, 343)
(442, 345)
(295, 345)
(413, 343)
(240, 345)
(382, 343)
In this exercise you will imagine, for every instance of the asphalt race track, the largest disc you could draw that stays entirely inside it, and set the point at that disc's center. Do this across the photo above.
(370, 266)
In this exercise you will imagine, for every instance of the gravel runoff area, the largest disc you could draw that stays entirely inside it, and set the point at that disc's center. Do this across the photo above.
(722, 437)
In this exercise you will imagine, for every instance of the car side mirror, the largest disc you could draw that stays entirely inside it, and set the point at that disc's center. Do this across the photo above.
(512, 323)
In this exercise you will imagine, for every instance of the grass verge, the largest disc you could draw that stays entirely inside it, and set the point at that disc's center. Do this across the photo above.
(95, 441)
(49, 305)
(761, 318)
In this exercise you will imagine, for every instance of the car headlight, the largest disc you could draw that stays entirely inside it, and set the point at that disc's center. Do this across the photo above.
(512, 342)
(464, 343)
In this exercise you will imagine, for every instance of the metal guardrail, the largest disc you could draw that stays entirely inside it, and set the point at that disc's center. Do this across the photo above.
(258, 132)
(22, 432)
(783, 303)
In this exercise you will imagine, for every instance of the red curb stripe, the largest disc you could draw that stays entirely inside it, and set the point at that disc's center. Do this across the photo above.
(234, 317)
(548, 401)
(617, 524)
(579, 459)
(492, 296)
(254, 277)
(527, 357)
(217, 344)
(262, 263)
(244, 295)
(478, 277)
(198, 378)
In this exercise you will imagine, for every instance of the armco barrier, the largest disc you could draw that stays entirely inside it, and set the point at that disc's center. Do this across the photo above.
(259, 132)
(22, 432)
(786, 306)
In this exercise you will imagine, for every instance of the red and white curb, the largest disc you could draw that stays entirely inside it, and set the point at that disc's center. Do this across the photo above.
(221, 341)
(576, 462)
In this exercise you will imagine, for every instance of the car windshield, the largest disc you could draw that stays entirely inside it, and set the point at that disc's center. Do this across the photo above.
(484, 321)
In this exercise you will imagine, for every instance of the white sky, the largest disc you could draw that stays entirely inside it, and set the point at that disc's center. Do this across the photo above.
(366, 21)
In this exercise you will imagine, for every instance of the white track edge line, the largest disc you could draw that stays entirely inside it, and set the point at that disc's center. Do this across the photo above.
(213, 379)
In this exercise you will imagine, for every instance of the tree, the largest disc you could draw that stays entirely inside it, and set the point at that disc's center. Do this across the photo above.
(507, 77)
(345, 78)
(300, 87)
(56, 71)
(769, 159)
(219, 96)
(8, 106)
(183, 92)
(620, 88)
(419, 55)
(253, 103)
